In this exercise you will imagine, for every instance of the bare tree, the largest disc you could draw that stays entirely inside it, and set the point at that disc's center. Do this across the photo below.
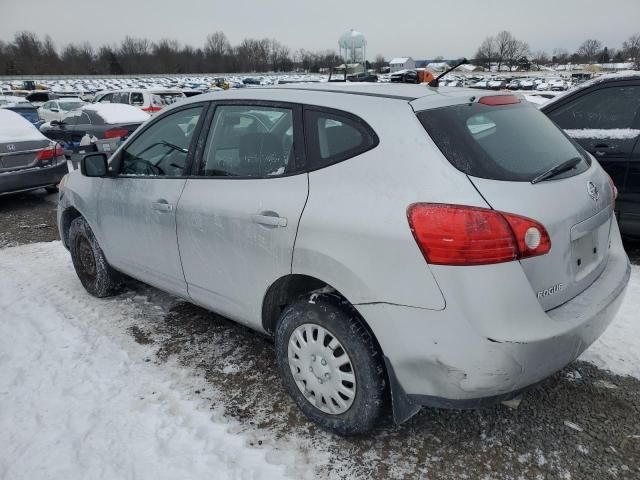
(589, 50)
(504, 44)
(379, 62)
(540, 58)
(486, 52)
(631, 50)
(560, 55)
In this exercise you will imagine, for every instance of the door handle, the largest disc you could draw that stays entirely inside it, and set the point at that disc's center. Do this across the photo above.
(162, 206)
(270, 220)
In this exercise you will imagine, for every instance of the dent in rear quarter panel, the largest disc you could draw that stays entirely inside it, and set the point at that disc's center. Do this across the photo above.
(354, 233)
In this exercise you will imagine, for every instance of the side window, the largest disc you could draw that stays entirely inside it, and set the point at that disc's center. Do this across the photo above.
(46, 105)
(136, 99)
(162, 149)
(334, 137)
(121, 97)
(249, 141)
(107, 98)
(604, 109)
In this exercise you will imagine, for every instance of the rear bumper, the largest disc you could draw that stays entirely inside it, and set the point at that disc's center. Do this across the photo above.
(493, 339)
(32, 178)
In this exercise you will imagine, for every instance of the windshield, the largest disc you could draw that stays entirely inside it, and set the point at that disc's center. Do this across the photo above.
(508, 142)
(68, 106)
(166, 98)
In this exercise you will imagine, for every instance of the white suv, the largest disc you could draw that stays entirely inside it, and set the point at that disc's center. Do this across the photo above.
(404, 245)
(151, 101)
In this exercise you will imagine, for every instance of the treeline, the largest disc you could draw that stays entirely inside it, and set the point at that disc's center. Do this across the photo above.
(27, 54)
(505, 50)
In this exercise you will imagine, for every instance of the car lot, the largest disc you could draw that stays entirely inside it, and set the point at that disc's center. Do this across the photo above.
(581, 423)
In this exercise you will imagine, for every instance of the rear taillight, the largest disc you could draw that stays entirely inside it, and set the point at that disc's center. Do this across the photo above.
(152, 109)
(495, 100)
(50, 153)
(461, 235)
(116, 133)
(614, 189)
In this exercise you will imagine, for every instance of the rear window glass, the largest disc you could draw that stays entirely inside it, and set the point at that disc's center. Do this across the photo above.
(509, 142)
(166, 98)
(68, 106)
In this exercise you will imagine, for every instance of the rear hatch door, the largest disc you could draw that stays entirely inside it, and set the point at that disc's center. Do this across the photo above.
(506, 144)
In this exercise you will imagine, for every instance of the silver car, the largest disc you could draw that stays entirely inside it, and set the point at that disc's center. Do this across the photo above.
(405, 246)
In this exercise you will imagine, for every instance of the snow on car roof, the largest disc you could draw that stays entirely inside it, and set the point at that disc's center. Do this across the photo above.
(68, 99)
(118, 112)
(15, 128)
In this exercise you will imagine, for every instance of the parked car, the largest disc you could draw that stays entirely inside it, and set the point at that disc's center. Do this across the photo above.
(22, 107)
(151, 101)
(38, 97)
(99, 121)
(603, 116)
(405, 76)
(362, 77)
(57, 109)
(450, 261)
(28, 160)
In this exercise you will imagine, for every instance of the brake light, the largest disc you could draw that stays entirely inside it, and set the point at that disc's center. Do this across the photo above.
(152, 109)
(614, 189)
(116, 133)
(461, 235)
(495, 100)
(50, 153)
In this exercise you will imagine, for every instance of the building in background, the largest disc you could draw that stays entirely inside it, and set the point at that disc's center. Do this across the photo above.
(401, 63)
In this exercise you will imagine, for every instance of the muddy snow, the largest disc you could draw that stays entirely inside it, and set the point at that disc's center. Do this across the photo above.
(144, 385)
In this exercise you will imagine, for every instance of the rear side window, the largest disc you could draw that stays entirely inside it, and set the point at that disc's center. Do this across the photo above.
(508, 142)
(607, 108)
(137, 100)
(334, 137)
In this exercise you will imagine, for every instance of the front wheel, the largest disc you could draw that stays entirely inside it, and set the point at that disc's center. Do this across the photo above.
(95, 274)
(331, 365)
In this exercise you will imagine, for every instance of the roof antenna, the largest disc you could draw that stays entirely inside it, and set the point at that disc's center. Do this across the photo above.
(436, 81)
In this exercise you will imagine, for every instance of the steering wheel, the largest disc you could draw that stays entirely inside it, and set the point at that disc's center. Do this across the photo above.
(140, 166)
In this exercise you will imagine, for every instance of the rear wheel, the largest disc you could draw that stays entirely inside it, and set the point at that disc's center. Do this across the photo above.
(91, 266)
(330, 364)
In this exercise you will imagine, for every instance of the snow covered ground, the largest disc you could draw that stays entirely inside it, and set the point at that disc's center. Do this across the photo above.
(79, 399)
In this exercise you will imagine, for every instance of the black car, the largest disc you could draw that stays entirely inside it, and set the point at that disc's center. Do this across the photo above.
(362, 77)
(604, 117)
(91, 121)
(405, 76)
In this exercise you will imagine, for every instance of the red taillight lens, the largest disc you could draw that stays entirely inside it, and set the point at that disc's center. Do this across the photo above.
(50, 153)
(614, 189)
(152, 109)
(495, 100)
(461, 235)
(116, 133)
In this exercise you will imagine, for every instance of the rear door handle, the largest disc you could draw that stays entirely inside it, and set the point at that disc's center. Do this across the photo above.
(270, 220)
(162, 206)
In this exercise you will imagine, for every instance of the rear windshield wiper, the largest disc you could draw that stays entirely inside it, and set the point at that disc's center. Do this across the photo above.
(558, 169)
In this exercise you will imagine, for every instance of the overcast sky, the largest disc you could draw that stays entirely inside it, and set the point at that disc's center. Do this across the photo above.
(417, 28)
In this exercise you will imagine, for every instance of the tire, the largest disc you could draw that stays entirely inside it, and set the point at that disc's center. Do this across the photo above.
(51, 189)
(95, 274)
(360, 404)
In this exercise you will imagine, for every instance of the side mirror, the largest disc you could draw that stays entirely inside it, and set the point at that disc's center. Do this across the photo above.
(94, 165)
(56, 123)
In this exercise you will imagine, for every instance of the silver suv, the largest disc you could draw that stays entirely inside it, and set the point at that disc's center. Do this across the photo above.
(403, 245)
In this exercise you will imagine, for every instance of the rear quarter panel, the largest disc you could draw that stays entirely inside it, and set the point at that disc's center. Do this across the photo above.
(354, 233)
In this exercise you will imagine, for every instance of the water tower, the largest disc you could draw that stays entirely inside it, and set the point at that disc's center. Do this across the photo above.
(353, 47)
